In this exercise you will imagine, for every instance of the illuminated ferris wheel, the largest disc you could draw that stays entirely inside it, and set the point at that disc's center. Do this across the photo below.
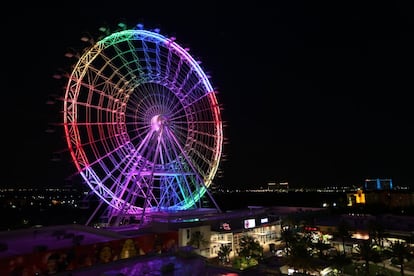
(142, 123)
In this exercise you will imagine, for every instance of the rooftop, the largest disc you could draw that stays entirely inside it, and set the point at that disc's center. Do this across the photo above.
(20, 242)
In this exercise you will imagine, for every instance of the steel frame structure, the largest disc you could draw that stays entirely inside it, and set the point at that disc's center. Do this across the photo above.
(142, 124)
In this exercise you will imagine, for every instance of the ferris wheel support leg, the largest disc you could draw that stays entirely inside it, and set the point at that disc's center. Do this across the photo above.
(121, 216)
(94, 213)
(214, 202)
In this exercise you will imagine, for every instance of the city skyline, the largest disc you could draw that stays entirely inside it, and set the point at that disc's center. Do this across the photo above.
(311, 93)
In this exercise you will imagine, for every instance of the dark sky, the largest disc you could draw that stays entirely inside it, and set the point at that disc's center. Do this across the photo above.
(314, 94)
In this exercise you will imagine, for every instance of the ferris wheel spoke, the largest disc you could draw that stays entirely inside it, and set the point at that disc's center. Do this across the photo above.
(191, 165)
(152, 155)
(130, 169)
(169, 192)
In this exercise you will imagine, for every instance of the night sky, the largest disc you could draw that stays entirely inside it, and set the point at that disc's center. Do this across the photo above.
(313, 94)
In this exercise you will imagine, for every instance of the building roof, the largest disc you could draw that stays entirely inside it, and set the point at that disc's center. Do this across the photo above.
(25, 241)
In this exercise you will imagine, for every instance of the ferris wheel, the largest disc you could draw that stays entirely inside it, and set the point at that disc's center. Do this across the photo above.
(142, 123)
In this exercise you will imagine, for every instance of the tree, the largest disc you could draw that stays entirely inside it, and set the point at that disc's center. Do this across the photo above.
(339, 261)
(249, 247)
(288, 237)
(224, 253)
(367, 253)
(376, 232)
(400, 251)
(197, 239)
(290, 221)
(321, 247)
(343, 231)
(300, 256)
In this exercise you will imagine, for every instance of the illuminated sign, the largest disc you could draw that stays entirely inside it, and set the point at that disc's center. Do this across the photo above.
(264, 220)
(249, 223)
(310, 228)
(225, 226)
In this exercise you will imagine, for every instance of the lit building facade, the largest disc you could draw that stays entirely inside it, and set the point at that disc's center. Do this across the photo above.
(378, 184)
(228, 230)
(278, 187)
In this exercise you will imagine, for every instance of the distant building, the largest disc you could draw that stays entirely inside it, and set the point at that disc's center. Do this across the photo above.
(278, 187)
(378, 184)
(356, 198)
(387, 198)
(391, 199)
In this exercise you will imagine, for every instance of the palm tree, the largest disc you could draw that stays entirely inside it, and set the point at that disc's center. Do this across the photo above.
(288, 237)
(300, 255)
(249, 253)
(321, 247)
(339, 261)
(197, 239)
(224, 253)
(376, 232)
(367, 253)
(400, 251)
(249, 247)
(290, 221)
(344, 232)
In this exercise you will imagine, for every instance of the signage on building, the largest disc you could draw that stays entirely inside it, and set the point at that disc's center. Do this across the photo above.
(264, 220)
(249, 223)
(225, 226)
